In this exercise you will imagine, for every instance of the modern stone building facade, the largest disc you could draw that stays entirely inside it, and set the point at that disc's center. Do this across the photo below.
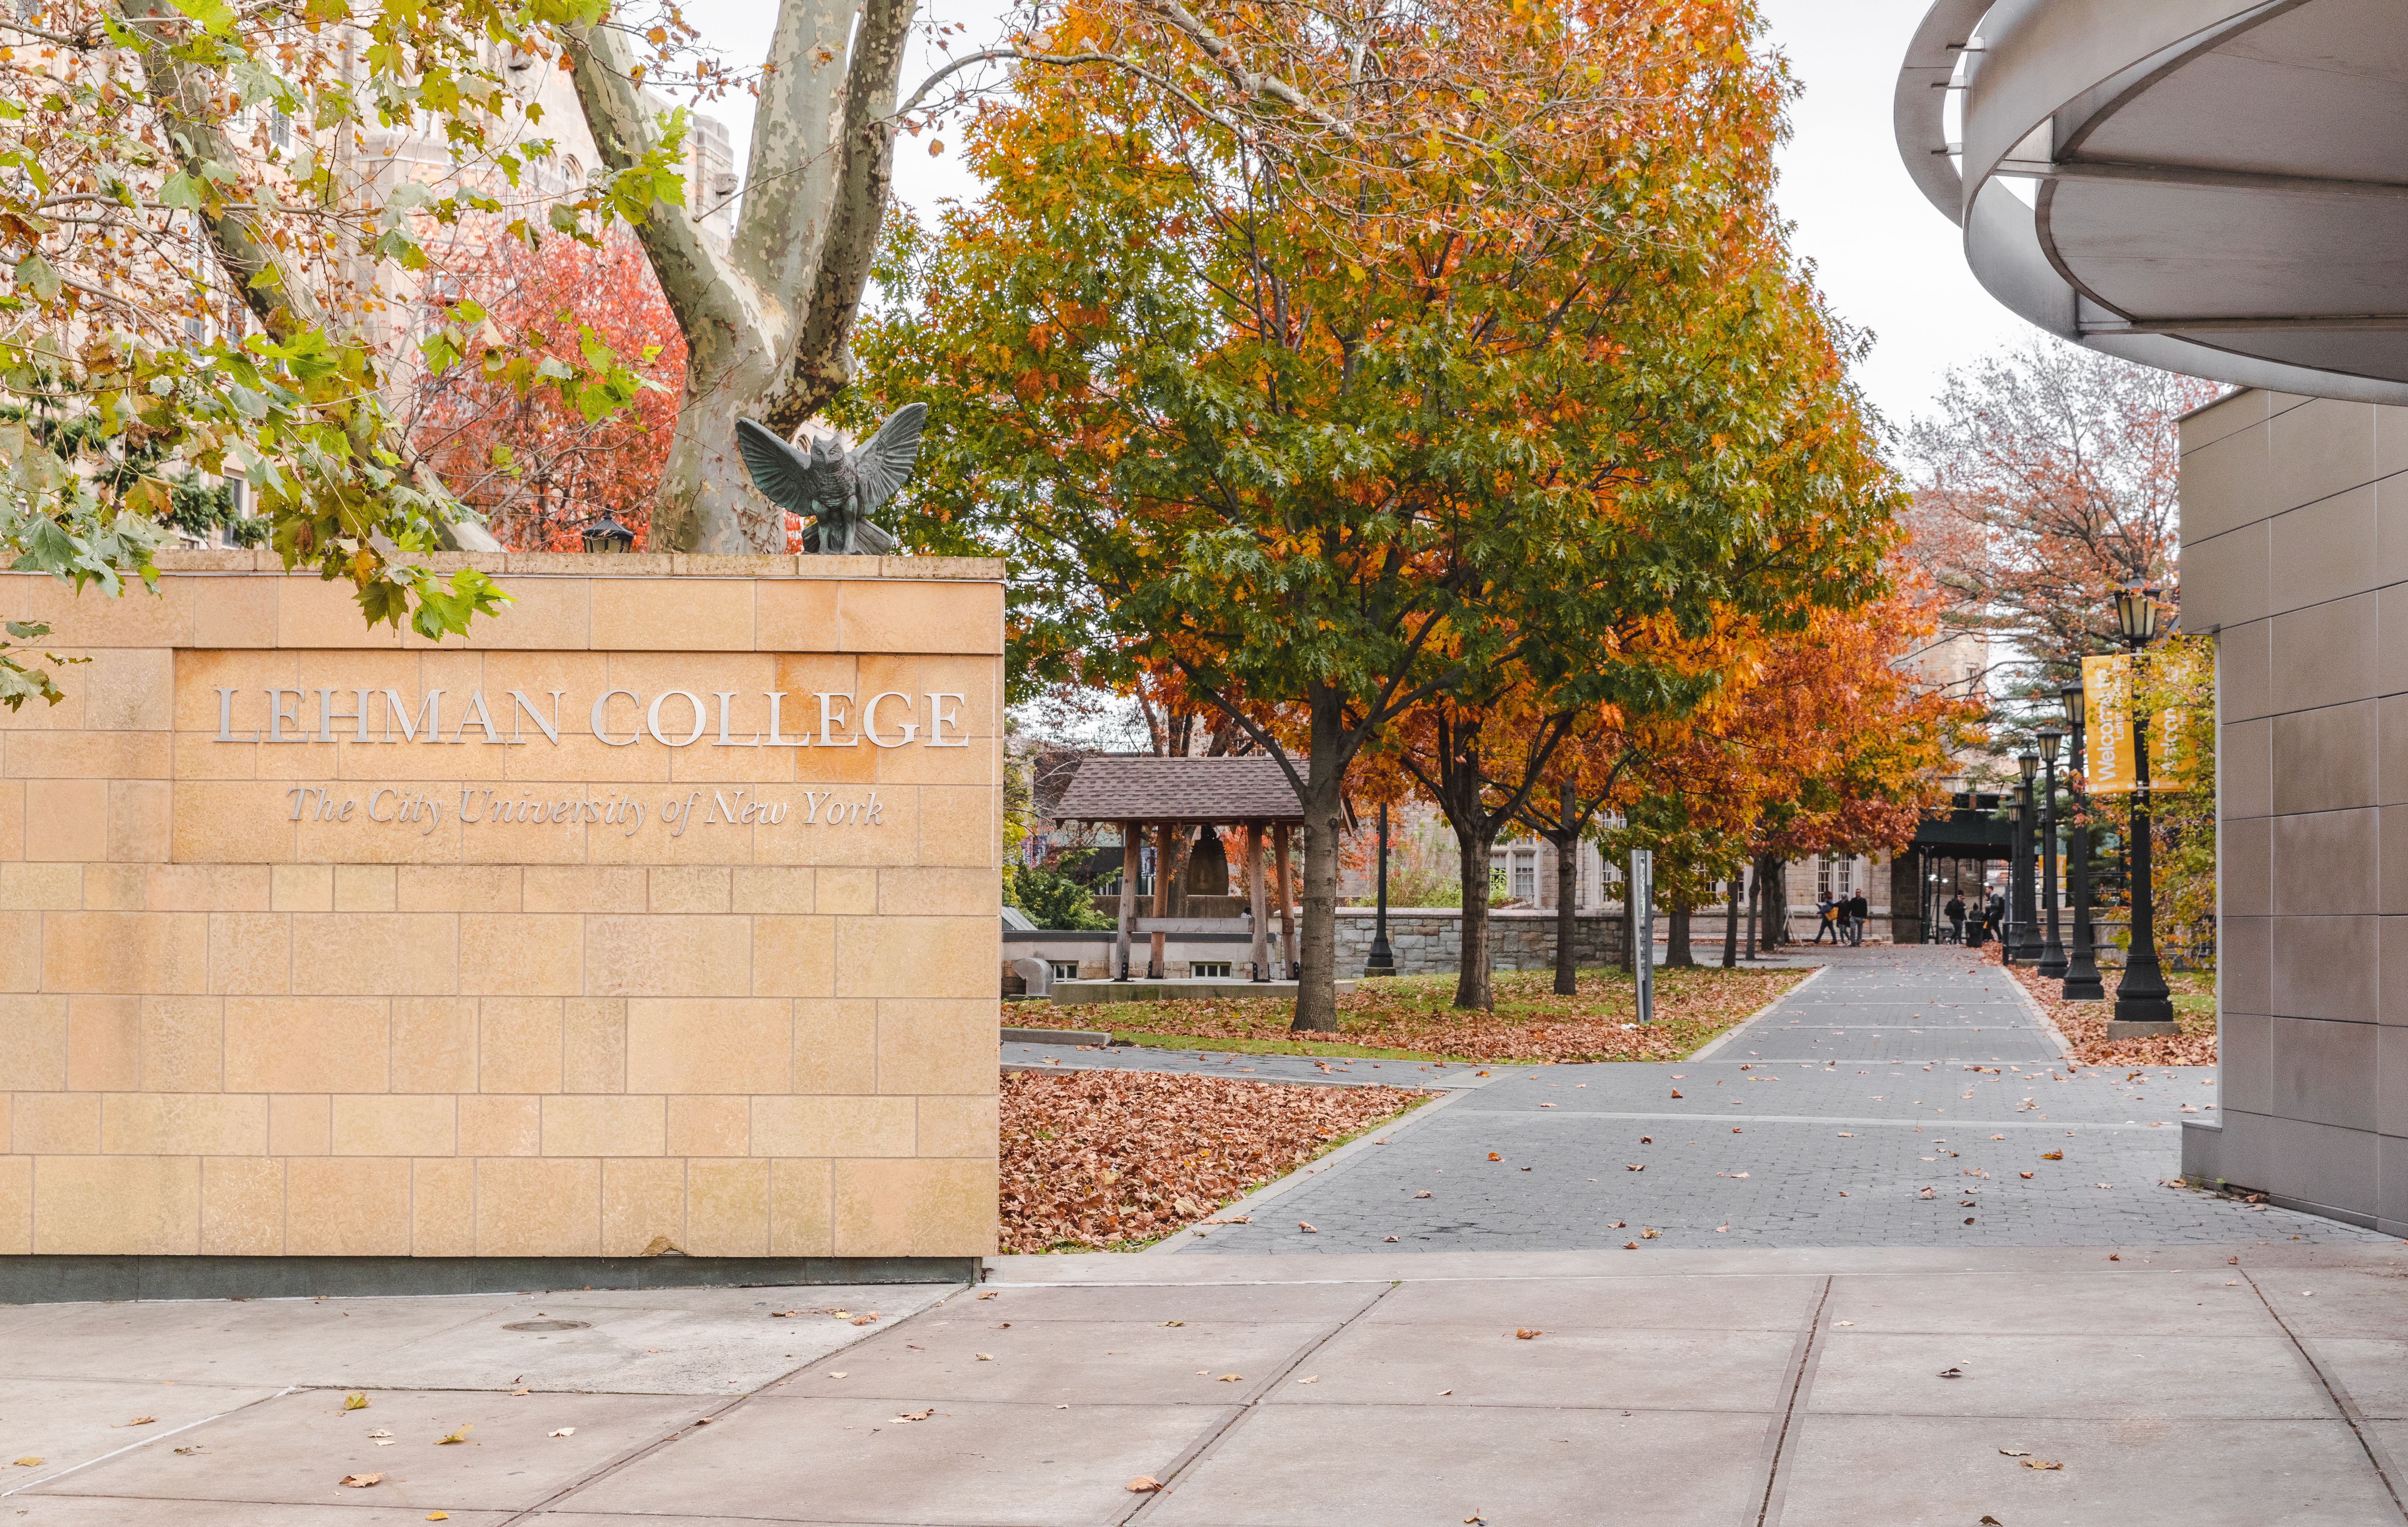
(2295, 554)
(659, 917)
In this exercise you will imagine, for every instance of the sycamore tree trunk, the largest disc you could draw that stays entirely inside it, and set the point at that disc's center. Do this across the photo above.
(767, 321)
(1316, 990)
(1677, 953)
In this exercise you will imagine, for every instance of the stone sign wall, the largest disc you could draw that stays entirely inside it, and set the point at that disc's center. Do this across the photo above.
(660, 915)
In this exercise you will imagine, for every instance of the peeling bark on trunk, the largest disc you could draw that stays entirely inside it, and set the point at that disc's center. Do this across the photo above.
(767, 323)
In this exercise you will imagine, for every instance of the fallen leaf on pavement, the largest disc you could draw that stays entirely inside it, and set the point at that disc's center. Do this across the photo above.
(1306, 1227)
(864, 1320)
(989, 1294)
(1618, 1224)
(1523, 1333)
(1843, 1323)
(138, 1420)
(1424, 1193)
(461, 1435)
(438, 1516)
(356, 1402)
(1640, 1167)
(917, 1415)
(2014, 1452)
(29, 1462)
(1232, 1378)
(1951, 1372)
(2041, 1463)
(1925, 1193)
(984, 1356)
(2052, 1156)
(1314, 1380)
(1144, 1484)
(521, 1391)
(1174, 1322)
(2023, 1173)
(1494, 1157)
(1676, 1092)
(835, 1376)
(566, 1432)
(1649, 1234)
(359, 1481)
(1388, 1238)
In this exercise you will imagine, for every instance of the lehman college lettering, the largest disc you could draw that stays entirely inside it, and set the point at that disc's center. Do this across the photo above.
(888, 720)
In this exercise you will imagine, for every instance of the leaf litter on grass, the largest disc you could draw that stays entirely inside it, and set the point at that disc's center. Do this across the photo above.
(1411, 1016)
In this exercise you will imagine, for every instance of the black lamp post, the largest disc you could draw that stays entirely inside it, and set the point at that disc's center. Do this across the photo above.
(1382, 960)
(2023, 944)
(607, 535)
(2142, 1004)
(2052, 949)
(2082, 984)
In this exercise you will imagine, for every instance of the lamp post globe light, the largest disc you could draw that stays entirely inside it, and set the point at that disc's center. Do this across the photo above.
(2082, 984)
(2023, 938)
(2052, 949)
(2142, 1004)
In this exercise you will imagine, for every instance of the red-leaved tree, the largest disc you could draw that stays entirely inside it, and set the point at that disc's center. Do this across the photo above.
(538, 468)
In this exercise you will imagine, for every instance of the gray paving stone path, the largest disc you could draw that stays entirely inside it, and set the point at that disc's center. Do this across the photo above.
(1896, 1099)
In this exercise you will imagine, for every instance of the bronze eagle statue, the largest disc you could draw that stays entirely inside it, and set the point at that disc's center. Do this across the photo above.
(837, 488)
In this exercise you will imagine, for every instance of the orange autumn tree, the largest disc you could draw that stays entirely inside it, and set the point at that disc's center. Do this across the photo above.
(1506, 352)
(540, 467)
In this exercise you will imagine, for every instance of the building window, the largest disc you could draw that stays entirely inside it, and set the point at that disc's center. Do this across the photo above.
(1063, 970)
(1526, 877)
(1210, 969)
(1837, 875)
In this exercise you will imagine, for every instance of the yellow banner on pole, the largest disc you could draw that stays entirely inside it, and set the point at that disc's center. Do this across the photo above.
(2107, 730)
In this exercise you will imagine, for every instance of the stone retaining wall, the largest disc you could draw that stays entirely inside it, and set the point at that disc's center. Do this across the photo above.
(1429, 940)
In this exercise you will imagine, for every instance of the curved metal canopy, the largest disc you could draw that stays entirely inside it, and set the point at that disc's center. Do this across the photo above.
(2210, 186)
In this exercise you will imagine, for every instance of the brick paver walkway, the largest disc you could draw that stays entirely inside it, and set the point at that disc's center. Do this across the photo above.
(1896, 1099)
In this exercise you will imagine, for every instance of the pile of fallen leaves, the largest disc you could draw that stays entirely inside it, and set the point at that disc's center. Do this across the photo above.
(2085, 1024)
(1412, 1015)
(1110, 1158)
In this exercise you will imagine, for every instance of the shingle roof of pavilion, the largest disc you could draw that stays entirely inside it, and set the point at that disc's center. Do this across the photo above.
(1142, 788)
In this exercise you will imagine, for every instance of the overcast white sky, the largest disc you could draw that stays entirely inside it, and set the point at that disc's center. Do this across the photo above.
(1889, 262)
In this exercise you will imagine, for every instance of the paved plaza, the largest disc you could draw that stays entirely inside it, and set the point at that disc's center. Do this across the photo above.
(2079, 1354)
(1890, 1076)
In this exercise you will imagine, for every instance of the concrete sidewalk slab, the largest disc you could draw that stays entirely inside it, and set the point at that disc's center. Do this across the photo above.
(1710, 1387)
(1910, 1471)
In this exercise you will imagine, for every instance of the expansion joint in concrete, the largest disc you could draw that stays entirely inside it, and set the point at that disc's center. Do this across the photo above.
(1778, 1455)
(2377, 1454)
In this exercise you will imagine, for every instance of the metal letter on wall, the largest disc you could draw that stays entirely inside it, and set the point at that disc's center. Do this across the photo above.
(1643, 923)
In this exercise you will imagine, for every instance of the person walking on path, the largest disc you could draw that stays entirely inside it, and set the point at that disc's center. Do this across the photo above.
(1827, 918)
(1956, 911)
(1859, 910)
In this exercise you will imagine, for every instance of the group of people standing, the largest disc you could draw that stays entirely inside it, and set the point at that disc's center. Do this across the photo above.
(1840, 917)
(1989, 918)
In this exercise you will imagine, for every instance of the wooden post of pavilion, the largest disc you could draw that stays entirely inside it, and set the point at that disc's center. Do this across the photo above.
(1129, 850)
(1257, 902)
(1287, 903)
(1155, 969)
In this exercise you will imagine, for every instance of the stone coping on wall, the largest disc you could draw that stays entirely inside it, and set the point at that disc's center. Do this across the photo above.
(561, 601)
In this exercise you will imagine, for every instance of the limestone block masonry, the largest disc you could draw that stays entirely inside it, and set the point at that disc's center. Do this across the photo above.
(655, 921)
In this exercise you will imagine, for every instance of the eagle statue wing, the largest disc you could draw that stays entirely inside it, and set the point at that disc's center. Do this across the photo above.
(782, 473)
(880, 468)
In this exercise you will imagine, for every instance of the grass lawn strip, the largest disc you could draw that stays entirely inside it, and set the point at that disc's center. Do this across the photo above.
(1410, 1018)
(2085, 1024)
(1106, 1161)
